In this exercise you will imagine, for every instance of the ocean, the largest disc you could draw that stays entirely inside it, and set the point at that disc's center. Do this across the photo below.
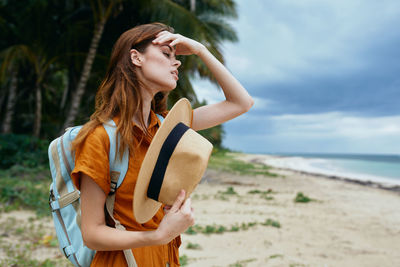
(377, 168)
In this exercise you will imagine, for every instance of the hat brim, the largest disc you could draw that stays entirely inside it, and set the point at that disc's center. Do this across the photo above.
(145, 208)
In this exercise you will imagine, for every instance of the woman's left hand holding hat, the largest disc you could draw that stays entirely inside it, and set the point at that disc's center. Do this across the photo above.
(179, 217)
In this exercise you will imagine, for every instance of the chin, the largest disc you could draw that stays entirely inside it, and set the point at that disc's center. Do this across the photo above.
(170, 87)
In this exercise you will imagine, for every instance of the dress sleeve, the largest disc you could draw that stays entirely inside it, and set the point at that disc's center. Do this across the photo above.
(92, 159)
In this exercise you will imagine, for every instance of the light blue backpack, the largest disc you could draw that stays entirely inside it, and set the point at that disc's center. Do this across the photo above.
(64, 198)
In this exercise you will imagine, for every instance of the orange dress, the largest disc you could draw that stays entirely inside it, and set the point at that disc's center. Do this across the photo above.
(92, 159)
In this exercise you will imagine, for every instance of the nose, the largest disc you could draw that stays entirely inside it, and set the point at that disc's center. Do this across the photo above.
(177, 63)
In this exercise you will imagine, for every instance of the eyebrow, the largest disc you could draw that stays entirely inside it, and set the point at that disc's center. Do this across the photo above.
(170, 48)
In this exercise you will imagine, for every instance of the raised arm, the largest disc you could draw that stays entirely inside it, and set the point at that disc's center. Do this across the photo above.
(237, 101)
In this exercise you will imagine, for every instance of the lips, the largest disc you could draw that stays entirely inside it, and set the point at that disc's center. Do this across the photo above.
(175, 74)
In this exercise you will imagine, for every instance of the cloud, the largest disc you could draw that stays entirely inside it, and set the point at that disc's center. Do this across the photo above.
(326, 132)
(205, 90)
(374, 94)
(282, 40)
(324, 76)
(337, 124)
(261, 104)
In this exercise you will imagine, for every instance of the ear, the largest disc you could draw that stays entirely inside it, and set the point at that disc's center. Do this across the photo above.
(136, 58)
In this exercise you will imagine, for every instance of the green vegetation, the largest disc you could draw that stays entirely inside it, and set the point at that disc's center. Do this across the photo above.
(50, 69)
(229, 191)
(23, 150)
(22, 187)
(225, 161)
(273, 223)
(183, 260)
(241, 263)
(224, 195)
(263, 194)
(193, 246)
(21, 257)
(301, 198)
(276, 256)
(33, 235)
(219, 229)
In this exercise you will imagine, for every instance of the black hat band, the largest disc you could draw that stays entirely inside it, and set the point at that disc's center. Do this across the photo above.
(166, 151)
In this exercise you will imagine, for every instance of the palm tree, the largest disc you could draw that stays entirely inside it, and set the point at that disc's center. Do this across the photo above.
(50, 35)
(101, 13)
(10, 61)
(201, 20)
(32, 47)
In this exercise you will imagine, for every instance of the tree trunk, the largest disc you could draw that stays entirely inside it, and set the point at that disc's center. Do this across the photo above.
(10, 103)
(80, 90)
(38, 112)
(192, 5)
(65, 94)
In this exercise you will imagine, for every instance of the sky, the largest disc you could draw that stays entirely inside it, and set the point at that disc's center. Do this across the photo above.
(325, 77)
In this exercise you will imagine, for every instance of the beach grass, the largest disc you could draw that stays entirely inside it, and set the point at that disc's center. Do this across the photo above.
(263, 194)
(194, 246)
(25, 188)
(229, 191)
(270, 222)
(301, 198)
(219, 229)
(22, 237)
(242, 263)
(183, 260)
(228, 162)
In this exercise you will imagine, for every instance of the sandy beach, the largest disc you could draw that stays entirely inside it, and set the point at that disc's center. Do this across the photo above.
(348, 224)
(260, 224)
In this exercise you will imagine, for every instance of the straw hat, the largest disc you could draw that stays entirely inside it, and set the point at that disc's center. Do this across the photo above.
(176, 159)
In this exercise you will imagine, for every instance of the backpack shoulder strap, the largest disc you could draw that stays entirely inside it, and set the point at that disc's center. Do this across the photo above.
(118, 169)
(118, 166)
(160, 117)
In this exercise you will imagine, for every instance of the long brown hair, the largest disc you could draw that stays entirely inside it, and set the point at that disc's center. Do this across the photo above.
(119, 93)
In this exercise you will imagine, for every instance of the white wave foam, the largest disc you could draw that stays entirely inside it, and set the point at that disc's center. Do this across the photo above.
(324, 167)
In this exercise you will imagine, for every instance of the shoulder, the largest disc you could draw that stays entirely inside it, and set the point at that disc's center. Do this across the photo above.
(97, 139)
(100, 134)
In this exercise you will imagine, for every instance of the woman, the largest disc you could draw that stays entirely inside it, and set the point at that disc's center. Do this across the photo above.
(142, 71)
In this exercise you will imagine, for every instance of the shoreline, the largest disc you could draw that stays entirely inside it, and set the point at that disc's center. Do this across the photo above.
(345, 223)
(263, 159)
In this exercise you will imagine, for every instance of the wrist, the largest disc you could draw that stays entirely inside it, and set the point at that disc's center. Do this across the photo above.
(160, 237)
(202, 50)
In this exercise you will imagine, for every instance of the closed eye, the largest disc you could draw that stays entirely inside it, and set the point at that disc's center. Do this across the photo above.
(167, 55)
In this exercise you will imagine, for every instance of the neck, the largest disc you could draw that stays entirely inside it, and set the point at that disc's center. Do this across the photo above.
(147, 97)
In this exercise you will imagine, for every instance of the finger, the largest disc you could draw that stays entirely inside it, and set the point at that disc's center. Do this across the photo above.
(174, 42)
(178, 201)
(161, 33)
(163, 39)
(187, 205)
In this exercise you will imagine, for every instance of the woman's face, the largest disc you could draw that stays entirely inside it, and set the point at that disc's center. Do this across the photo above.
(159, 67)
